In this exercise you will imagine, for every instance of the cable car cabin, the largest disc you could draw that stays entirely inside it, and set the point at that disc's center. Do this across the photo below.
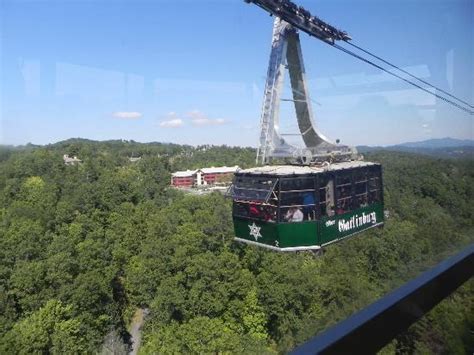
(292, 208)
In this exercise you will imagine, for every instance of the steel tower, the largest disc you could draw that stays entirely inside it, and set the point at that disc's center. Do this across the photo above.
(286, 55)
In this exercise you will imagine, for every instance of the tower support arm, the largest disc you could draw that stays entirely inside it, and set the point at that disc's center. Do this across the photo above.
(302, 19)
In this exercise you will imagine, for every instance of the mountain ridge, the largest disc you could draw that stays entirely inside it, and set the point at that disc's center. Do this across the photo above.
(446, 142)
(438, 147)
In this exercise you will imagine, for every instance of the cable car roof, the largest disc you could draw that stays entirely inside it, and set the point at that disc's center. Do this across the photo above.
(281, 170)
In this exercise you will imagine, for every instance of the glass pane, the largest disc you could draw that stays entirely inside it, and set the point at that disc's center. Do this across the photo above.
(374, 196)
(297, 184)
(297, 198)
(344, 179)
(360, 175)
(292, 214)
(360, 187)
(344, 205)
(252, 189)
(361, 201)
(374, 183)
(343, 191)
(266, 213)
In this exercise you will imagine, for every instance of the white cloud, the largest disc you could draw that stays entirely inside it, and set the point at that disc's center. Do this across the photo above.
(197, 118)
(172, 121)
(178, 122)
(127, 115)
(200, 119)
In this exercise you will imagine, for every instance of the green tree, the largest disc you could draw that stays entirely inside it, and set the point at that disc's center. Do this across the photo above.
(51, 329)
(254, 318)
(201, 335)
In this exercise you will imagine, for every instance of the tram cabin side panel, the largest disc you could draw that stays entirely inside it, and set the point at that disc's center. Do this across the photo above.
(307, 210)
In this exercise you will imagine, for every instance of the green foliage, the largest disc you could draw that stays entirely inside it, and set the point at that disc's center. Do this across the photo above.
(253, 318)
(82, 246)
(51, 329)
(444, 330)
(201, 335)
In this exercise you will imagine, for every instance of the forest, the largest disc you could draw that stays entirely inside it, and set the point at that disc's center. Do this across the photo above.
(82, 247)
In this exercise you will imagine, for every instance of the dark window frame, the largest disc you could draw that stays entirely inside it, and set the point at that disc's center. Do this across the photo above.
(301, 206)
(269, 191)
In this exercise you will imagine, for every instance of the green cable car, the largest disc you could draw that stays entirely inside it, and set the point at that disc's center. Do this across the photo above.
(332, 194)
(296, 208)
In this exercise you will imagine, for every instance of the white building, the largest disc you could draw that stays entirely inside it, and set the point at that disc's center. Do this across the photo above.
(71, 161)
(201, 177)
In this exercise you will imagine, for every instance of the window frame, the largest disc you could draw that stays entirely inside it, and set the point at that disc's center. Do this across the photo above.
(301, 206)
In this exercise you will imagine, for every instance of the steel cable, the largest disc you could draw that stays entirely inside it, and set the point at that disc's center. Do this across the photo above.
(407, 73)
(345, 50)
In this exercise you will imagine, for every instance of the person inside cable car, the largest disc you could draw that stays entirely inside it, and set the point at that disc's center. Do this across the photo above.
(330, 210)
(269, 214)
(340, 208)
(294, 214)
(253, 211)
(308, 205)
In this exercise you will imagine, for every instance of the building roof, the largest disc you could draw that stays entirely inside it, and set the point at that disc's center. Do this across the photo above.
(222, 170)
(211, 170)
(186, 173)
(303, 169)
(68, 159)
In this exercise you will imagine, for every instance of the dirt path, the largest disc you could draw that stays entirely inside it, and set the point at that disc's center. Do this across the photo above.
(135, 329)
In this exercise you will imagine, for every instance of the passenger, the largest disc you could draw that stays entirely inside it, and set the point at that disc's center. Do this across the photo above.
(294, 214)
(340, 209)
(308, 202)
(253, 211)
(331, 210)
(343, 192)
(269, 214)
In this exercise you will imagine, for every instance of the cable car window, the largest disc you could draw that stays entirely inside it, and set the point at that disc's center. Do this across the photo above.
(361, 201)
(300, 183)
(241, 209)
(251, 210)
(374, 183)
(252, 189)
(292, 214)
(322, 201)
(374, 186)
(344, 193)
(298, 198)
(360, 175)
(345, 179)
(305, 201)
(344, 205)
(360, 187)
(374, 196)
(326, 195)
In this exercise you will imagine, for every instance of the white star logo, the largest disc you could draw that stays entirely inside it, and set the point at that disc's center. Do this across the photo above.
(255, 231)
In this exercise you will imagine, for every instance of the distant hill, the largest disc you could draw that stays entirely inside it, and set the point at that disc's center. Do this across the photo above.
(439, 143)
(439, 147)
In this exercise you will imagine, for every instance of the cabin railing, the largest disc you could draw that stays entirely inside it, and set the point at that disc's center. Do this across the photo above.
(370, 329)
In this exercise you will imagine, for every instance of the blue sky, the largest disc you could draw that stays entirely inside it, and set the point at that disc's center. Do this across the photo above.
(190, 71)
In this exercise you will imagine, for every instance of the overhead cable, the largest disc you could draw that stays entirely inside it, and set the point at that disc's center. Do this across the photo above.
(302, 19)
(400, 77)
(407, 73)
